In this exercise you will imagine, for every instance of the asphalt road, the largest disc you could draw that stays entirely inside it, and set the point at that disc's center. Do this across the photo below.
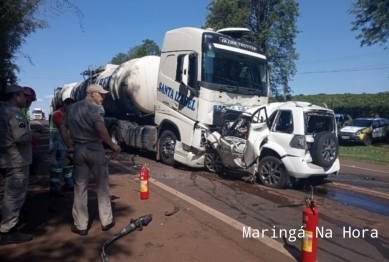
(355, 201)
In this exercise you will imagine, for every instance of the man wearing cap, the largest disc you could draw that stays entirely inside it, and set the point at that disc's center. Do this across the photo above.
(59, 154)
(85, 122)
(15, 158)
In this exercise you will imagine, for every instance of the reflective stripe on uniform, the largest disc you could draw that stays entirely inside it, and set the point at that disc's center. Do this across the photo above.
(68, 175)
(53, 127)
(27, 115)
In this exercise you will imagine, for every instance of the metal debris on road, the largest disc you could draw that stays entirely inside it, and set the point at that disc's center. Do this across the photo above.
(176, 208)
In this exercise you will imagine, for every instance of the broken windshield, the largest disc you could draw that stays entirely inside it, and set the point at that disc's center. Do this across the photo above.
(316, 122)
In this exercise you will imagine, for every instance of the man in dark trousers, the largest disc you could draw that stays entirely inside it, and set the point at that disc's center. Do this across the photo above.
(15, 158)
(36, 158)
(85, 122)
(59, 153)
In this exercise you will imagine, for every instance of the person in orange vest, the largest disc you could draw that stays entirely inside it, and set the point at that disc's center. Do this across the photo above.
(36, 159)
(59, 164)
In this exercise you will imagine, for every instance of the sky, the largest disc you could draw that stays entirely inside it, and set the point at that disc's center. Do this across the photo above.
(331, 59)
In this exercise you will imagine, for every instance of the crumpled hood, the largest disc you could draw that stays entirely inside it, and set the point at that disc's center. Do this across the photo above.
(352, 129)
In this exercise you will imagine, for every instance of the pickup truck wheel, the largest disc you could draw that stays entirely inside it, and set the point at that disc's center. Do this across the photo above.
(167, 143)
(213, 162)
(271, 172)
(325, 149)
(367, 140)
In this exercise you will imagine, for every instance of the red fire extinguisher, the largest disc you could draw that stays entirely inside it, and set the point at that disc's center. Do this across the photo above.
(310, 224)
(144, 183)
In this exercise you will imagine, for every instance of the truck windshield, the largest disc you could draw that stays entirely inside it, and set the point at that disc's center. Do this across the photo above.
(223, 67)
(36, 112)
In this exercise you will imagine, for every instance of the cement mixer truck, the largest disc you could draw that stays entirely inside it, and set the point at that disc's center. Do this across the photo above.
(167, 104)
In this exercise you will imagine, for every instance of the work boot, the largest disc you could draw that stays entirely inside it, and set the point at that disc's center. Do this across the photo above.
(13, 237)
(109, 226)
(74, 229)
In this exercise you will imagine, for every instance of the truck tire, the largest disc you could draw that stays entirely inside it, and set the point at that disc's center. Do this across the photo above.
(271, 172)
(325, 149)
(114, 133)
(167, 143)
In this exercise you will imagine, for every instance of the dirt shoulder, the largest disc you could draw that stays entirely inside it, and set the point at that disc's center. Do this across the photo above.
(188, 235)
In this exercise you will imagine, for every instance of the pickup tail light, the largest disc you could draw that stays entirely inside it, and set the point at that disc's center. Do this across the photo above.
(298, 141)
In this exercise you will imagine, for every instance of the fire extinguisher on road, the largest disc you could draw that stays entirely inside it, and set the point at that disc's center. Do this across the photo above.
(144, 183)
(310, 224)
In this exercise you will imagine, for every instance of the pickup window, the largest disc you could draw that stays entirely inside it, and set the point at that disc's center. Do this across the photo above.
(284, 122)
(316, 122)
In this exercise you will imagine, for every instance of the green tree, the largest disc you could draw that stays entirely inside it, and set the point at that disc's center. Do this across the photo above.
(19, 19)
(273, 27)
(372, 20)
(148, 47)
(119, 59)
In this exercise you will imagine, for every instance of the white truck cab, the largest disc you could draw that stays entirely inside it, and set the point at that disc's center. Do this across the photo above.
(278, 141)
(166, 104)
(201, 73)
(37, 114)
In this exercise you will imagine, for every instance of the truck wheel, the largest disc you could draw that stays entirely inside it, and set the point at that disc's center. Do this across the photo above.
(115, 134)
(167, 142)
(213, 162)
(367, 140)
(325, 149)
(271, 172)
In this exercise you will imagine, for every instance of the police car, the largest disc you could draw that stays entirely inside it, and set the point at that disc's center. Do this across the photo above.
(365, 130)
(342, 119)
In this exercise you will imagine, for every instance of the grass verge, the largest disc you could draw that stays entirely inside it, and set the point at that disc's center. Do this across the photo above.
(377, 153)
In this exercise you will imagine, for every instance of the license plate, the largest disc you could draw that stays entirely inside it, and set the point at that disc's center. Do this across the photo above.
(345, 137)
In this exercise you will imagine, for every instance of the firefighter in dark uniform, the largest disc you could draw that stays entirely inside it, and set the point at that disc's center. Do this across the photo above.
(83, 125)
(15, 158)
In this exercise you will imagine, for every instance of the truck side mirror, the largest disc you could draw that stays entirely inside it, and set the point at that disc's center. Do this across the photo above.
(185, 71)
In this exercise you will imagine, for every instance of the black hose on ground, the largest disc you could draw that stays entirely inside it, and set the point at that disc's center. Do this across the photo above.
(136, 224)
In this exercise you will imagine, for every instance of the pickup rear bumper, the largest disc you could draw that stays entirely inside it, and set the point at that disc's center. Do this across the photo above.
(299, 168)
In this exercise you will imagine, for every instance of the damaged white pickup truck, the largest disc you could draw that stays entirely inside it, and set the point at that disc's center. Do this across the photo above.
(276, 143)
